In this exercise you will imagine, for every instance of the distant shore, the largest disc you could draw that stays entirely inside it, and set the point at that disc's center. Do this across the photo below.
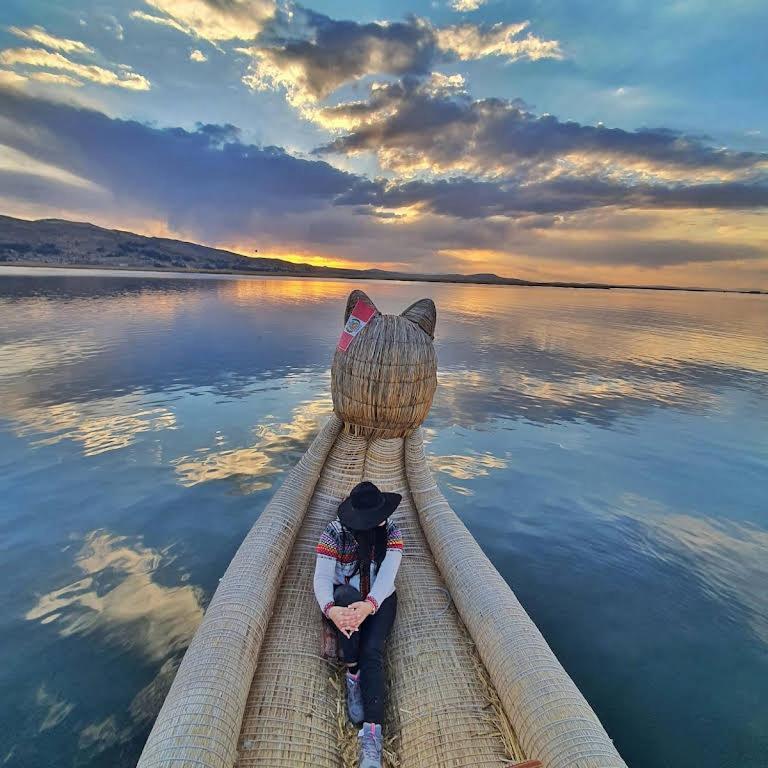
(335, 273)
(61, 244)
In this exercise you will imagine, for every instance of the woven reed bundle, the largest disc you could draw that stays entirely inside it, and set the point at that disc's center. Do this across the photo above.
(224, 708)
(551, 718)
(290, 717)
(200, 719)
(439, 703)
(383, 384)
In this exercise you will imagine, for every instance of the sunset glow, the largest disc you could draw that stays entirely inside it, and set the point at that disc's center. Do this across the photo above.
(539, 142)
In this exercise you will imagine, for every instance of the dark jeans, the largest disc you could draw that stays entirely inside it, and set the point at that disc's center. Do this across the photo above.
(366, 647)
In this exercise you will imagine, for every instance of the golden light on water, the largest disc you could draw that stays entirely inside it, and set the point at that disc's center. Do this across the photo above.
(248, 290)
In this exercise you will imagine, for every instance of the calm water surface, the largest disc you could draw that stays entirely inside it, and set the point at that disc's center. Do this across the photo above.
(609, 450)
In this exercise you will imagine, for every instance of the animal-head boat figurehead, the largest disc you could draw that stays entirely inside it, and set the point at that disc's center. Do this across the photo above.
(384, 371)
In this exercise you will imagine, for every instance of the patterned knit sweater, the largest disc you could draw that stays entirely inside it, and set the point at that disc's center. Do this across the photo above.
(336, 560)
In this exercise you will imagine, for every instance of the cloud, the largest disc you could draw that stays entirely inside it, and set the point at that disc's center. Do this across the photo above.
(113, 26)
(206, 178)
(310, 55)
(335, 52)
(213, 20)
(10, 78)
(55, 78)
(465, 198)
(469, 42)
(466, 5)
(36, 57)
(416, 125)
(160, 20)
(208, 185)
(37, 34)
(197, 55)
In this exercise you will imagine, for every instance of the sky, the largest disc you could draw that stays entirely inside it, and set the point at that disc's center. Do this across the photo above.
(622, 142)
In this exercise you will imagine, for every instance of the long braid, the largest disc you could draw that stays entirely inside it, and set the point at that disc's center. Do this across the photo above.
(371, 541)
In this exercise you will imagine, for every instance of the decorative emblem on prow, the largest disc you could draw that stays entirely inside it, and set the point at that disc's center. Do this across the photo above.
(384, 370)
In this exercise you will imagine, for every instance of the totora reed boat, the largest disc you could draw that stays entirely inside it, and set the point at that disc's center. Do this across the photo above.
(471, 680)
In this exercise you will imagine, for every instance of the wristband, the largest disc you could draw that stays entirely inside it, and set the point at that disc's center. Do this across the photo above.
(373, 602)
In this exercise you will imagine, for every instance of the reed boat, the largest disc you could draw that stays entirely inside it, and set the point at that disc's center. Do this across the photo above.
(471, 680)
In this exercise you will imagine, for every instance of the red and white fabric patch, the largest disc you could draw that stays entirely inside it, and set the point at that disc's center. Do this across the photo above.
(357, 320)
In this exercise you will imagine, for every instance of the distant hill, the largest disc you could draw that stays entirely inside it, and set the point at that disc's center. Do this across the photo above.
(67, 243)
(59, 243)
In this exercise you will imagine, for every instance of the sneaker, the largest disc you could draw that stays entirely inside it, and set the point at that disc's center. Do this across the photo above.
(370, 745)
(354, 699)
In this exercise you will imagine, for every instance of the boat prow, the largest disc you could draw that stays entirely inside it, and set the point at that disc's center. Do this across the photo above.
(471, 680)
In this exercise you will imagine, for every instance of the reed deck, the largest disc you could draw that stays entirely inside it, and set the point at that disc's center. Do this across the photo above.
(471, 681)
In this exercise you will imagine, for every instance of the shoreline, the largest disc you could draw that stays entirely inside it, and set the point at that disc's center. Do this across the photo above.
(395, 277)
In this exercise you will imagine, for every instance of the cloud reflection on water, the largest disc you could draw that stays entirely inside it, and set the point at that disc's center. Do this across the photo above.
(251, 467)
(56, 710)
(729, 558)
(539, 354)
(98, 426)
(119, 597)
(465, 467)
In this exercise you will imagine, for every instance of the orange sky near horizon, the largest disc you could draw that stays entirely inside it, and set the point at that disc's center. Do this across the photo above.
(733, 274)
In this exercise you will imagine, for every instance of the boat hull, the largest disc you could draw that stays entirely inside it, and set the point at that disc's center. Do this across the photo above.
(471, 681)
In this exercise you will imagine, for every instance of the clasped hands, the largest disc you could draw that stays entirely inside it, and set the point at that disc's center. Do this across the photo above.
(349, 619)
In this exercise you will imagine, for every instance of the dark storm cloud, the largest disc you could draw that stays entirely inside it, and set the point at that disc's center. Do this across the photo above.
(412, 123)
(205, 174)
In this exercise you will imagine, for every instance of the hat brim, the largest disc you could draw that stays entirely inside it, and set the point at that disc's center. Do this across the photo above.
(363, 519)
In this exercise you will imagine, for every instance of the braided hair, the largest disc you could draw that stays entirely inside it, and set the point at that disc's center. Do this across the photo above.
(373, 539)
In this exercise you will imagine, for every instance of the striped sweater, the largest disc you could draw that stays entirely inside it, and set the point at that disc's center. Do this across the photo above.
(336, 560)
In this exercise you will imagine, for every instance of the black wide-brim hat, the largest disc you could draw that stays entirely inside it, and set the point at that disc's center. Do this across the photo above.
(367, 506)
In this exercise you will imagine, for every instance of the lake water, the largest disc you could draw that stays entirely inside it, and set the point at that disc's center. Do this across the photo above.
(608, 449)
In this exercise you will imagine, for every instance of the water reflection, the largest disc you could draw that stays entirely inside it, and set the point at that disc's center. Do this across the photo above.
(286, 291)
(56, 710)
(124, 728)
(545, 354)
(251, 467)
(118, 597)
(607, 448)
(99, 426)
(729, 557)
(465, 467)
(472, 397)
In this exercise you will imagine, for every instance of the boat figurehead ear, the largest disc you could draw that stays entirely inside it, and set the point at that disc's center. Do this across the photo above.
(353, 299)
(424, 313)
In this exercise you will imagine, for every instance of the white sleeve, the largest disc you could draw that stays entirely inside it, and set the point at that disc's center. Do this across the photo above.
(384, 583)
(325, 568)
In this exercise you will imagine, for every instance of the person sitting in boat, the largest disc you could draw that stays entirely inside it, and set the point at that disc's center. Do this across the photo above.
(358, 556)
